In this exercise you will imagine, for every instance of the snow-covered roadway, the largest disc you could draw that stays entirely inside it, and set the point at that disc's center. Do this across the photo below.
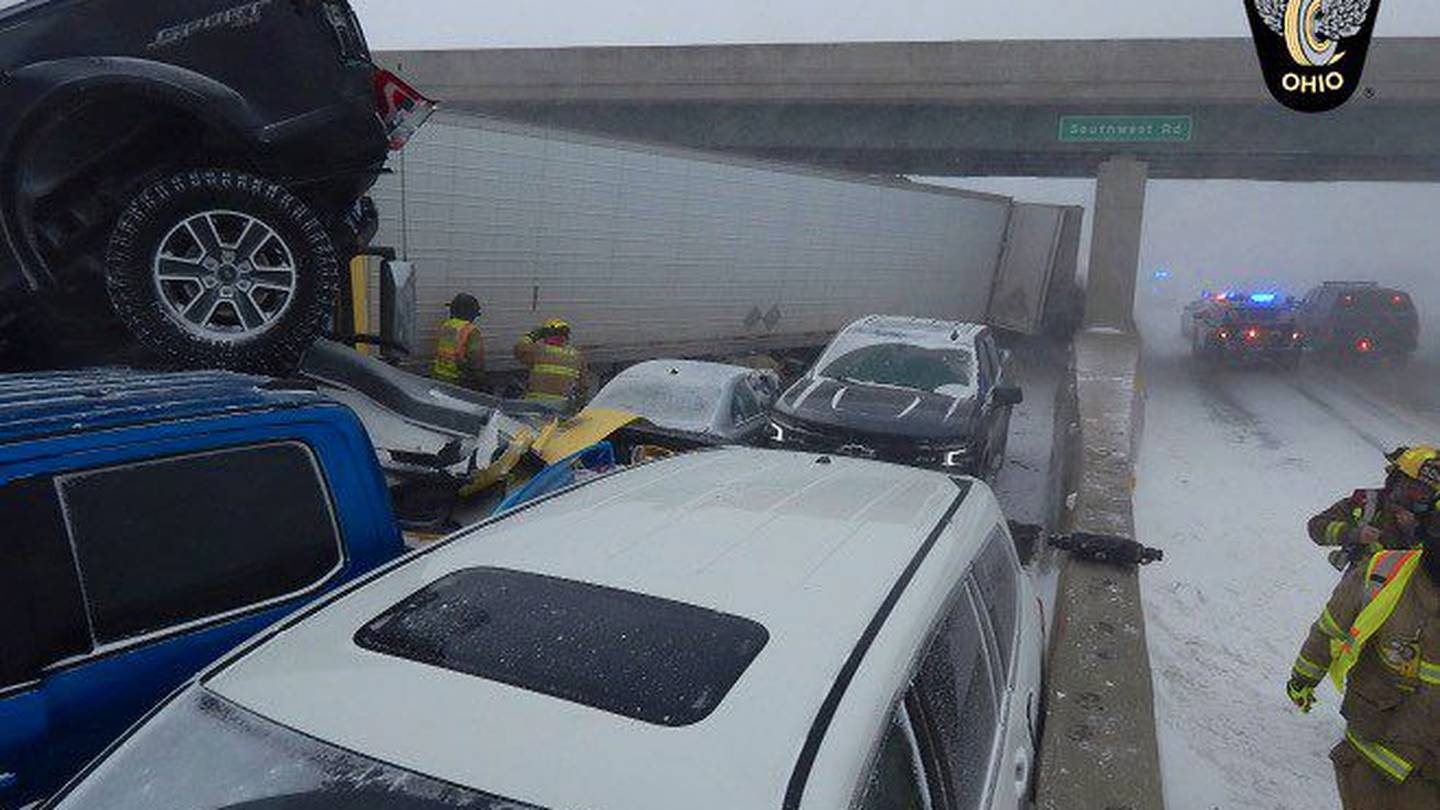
(1231, 465)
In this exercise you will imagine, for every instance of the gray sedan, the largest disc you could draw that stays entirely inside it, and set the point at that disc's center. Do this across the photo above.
(719, 401)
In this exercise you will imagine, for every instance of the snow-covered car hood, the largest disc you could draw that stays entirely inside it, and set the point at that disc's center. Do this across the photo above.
(877, 409)
(683, 395)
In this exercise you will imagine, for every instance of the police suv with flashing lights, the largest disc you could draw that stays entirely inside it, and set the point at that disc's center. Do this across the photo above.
(1244, 327)
(725, 629)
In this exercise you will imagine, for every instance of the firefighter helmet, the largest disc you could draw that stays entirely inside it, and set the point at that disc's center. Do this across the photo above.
(1420, 462)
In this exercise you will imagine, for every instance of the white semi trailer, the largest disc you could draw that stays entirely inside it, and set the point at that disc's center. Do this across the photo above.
(653, 251)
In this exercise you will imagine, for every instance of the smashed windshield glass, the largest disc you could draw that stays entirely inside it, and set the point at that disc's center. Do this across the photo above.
(904, 365)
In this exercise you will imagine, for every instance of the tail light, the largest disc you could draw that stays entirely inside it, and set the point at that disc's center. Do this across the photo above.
(1252, 334)
(1223, 334)
(1364, 345)
(401, 107)
(1347, 300)
(1296, 336)
(1397, 300)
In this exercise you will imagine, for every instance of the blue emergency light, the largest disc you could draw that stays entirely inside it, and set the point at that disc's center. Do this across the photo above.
(1262, 298)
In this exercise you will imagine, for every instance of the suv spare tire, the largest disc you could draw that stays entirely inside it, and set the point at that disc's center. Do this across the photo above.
(217, 268)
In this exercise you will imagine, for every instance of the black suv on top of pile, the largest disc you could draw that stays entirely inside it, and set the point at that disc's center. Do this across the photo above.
(1360, 319)
(195, 167)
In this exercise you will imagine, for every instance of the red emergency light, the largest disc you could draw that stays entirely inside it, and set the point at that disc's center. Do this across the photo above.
(1364, 345)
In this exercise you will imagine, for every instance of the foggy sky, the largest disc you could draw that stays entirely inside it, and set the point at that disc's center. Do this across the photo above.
(1211, 234)
(524, 23)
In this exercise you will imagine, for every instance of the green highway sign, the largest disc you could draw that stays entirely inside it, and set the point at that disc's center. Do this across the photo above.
(1126, 128)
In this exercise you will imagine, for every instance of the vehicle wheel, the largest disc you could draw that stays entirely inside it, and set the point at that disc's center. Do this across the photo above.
(216, 268)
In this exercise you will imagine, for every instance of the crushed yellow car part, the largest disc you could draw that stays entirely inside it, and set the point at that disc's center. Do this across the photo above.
(561, 439)
(482, 479)
(551, 442)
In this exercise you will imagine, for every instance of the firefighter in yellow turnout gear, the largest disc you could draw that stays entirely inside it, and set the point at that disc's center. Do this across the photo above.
(1378, 641)
(1373, 519)
(460, 350)
(557, 369)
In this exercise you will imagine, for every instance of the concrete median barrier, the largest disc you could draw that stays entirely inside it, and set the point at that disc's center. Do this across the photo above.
(1098, 748)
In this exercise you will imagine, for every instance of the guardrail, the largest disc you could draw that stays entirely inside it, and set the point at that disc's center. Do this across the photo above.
(1098, 748)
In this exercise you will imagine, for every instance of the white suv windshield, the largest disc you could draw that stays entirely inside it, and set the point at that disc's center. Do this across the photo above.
(206, 753)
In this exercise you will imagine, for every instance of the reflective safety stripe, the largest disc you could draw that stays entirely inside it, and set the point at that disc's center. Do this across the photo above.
(1330, 627)
(1333, 530)
(558, 371)
(1430, 673)
(450, 349)
(1308, 669)
(540, 396)
(1382, 570)
(1381, 597)
(1390, 763)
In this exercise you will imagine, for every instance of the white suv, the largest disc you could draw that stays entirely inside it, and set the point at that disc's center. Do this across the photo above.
(727, 629)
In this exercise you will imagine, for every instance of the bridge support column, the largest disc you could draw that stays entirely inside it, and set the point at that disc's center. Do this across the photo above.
(1115, 243)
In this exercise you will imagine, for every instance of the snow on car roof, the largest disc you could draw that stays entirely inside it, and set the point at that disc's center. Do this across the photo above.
(675, 394)
(809, 551)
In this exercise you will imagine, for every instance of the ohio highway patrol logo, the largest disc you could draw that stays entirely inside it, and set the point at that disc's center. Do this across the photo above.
(1312, 51)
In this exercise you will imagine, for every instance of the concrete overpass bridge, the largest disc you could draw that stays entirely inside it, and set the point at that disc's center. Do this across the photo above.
(964, 108)
(1116, 110)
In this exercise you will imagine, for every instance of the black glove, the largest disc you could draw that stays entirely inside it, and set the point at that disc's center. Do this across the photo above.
(1301, 692)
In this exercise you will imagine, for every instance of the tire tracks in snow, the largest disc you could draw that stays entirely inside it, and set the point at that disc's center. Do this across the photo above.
(1354, 403)
(1335, 413)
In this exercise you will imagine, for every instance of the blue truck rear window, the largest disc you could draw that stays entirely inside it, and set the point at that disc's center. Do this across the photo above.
(640, 656)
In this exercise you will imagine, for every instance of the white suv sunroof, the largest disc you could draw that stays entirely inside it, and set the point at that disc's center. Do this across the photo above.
(640, 656)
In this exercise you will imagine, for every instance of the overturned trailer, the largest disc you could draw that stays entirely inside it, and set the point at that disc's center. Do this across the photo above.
(656, 251)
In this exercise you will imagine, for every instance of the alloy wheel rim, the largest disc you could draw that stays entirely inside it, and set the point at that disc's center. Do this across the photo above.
(224, 276)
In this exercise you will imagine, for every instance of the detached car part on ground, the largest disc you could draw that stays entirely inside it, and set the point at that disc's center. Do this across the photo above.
(1245, 328)
(909, 390)
(204, 163)
(153, 522)
(885, 648)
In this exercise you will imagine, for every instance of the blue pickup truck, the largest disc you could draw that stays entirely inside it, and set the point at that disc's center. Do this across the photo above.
(151, 522)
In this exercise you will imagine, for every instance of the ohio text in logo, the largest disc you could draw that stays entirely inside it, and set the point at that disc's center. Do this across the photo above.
(1312, 52)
